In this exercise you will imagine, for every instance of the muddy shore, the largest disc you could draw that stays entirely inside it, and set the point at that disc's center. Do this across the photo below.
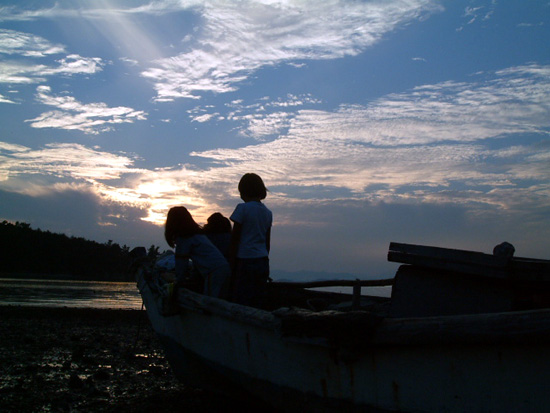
(91, 360)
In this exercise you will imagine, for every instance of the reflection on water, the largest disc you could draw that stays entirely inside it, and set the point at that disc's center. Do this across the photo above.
(83, 294)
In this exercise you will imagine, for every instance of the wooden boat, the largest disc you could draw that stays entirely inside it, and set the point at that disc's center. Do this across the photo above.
(462, 332)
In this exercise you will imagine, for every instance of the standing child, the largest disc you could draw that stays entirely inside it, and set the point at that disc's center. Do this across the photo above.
(187, 236)
(250, 243)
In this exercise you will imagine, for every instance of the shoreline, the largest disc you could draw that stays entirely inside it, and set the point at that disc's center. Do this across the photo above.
(66, 359)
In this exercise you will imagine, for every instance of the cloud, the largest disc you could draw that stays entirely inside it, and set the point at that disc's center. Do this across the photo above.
(442, 144)
(4, 99)
(81, 187)
(28, 48)
(62, 161)
(112, 178)
(90, 118)
(25, 44)
(473, 13)
(79, 212)
(263, 119)
(20, 73)
(513, 101)
(530, 24)
(261, 126)
(128, 61)
(348, 173)
(292, 101)
(25, 72)
(238, 39)
(204, 118)
(228, 42)
(435, 143)
(75, 64)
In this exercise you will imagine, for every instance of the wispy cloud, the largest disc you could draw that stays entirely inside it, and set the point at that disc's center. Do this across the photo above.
(27, 49)
(128, 61)
(25, 44)
(434, 144)
(75, 64)
(62, 161)
(238, 39)
(268, 117)
(4, 99)
(90, 118)
(16, 72)
(435, 136)
(514, 101)
(474, 13)
(204, 118)
(229, 42)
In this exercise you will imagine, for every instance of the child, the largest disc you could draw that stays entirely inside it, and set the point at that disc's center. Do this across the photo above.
(250, 243)
(187, 236)
(218, 230)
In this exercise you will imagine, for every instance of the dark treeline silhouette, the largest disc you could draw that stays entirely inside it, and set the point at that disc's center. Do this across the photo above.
(32, 252)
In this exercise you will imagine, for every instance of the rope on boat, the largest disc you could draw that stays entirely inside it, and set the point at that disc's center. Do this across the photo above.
(138, 328)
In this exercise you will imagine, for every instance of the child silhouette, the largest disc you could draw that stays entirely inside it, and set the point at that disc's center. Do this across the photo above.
(182, 232)
(250, 243)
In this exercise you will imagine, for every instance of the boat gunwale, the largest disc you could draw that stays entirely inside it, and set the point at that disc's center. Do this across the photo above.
(518, 327)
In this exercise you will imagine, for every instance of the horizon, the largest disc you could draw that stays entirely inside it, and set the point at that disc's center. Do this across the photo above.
(422, 122)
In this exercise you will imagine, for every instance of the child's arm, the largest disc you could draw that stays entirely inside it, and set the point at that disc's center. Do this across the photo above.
(268, 239)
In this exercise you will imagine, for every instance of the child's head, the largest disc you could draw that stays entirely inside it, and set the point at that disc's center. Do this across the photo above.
(251, 186)
(217, 223)
(179, 223)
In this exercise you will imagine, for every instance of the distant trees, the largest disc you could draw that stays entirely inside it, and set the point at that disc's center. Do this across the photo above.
(24, 250)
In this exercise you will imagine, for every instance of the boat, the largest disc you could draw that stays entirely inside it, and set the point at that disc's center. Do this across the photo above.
(462, 331)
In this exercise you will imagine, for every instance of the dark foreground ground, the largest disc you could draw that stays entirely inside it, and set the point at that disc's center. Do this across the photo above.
(87, 360)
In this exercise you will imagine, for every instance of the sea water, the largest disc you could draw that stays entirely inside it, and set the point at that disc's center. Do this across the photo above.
(76, 294)
(384, 291)
(100, 294)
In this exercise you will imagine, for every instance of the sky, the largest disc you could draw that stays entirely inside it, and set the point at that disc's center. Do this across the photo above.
(370, 122)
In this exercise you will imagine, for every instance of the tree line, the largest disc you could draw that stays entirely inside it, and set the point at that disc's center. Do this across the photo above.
(32, 252)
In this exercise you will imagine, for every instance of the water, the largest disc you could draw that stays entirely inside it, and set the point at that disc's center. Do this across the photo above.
(384, 291)
(98, 294)
(76, 294)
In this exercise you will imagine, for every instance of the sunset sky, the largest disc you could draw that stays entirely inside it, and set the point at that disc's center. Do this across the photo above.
(414, 121)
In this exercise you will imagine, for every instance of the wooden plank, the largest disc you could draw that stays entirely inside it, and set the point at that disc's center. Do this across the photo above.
(447, 254)
(470, 262)
(498, 328)
(192, 301)
(361, 328)
(446, 265)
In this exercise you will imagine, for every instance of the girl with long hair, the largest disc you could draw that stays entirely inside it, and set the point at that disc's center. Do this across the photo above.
(186, 236)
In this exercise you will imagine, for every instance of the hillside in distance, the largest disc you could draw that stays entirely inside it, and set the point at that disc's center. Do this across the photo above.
(33, 253)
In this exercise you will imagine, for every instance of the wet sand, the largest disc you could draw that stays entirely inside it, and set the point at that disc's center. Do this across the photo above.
(91, 360)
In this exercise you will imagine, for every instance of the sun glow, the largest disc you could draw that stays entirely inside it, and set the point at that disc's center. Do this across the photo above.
(156, 197)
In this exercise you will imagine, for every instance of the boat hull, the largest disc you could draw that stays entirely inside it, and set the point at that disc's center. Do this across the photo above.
(242, 351)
